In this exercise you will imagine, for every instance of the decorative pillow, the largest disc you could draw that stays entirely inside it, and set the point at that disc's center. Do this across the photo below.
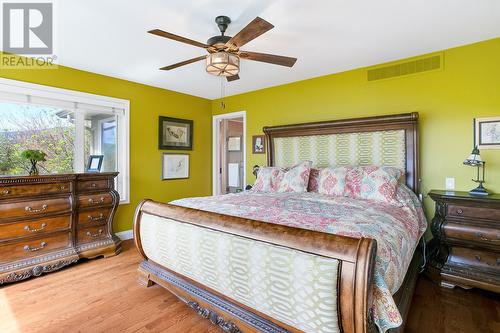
(372, 183)
(268, 179)
(313, 185)
(296, 178)
(332, 181)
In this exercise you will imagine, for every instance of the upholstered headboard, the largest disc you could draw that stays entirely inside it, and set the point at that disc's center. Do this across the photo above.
(384, 140)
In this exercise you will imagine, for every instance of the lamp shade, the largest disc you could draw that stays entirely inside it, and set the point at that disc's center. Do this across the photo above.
(474, 158)
(223, 63)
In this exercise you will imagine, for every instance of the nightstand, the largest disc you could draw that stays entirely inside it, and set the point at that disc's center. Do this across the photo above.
(466, 244)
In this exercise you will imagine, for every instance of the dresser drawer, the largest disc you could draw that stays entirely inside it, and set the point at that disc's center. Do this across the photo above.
(34, 189)
(95, 200)
(93, 185)
(95, 216)
(474, 212)
(34, 208)
(472, 257)
(474, 233)
(29, 248)
(90, 234)
(34, 227)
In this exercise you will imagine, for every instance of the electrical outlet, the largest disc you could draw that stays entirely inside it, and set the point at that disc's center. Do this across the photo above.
(450, 183)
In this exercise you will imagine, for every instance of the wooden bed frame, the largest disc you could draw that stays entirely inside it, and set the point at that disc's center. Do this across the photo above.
(356, 256)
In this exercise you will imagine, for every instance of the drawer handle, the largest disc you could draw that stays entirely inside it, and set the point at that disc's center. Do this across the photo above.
(96, 218)
(96, 202)
(93, 185)
(483, 238)
(459, 211)
(33, 249)
(99, 233)
(63, 187)
(32, 210)
(5, 192)
(28, 228)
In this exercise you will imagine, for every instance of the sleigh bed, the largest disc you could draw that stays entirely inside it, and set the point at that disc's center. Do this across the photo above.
(247, 272)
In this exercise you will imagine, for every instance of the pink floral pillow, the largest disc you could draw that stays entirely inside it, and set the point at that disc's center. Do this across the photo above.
(268, 179)
(296, 179)
(274, 179)
(372, 183)
(313, 185)
(332, 181)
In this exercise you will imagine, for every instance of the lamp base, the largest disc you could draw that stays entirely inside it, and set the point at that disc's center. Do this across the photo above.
(479, 191)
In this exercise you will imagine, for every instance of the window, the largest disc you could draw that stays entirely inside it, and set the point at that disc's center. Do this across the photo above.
(68, 126)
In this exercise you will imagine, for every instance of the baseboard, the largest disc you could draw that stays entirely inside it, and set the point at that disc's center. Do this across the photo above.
(124, 235)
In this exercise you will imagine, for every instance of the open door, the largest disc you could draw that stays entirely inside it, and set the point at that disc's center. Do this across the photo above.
(229, 153)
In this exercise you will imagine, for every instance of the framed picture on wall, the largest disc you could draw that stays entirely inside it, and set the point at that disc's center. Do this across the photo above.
(175, 166)
(487, 132)
(258, 144)
(175, 133)
(234, 143)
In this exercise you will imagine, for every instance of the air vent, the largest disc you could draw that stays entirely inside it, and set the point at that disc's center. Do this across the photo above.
(426, 64)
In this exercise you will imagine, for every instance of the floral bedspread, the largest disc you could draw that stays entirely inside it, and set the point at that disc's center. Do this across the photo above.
(397, 229)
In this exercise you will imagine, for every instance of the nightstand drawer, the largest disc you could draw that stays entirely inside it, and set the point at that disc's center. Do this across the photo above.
(475, 258)
(474, 212)
(34, 227)
(473, 233)
(95, 216)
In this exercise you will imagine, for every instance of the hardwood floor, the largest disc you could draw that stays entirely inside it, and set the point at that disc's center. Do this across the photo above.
(103, 296)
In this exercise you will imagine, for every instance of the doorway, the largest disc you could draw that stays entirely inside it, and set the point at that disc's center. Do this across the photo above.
(229, 153)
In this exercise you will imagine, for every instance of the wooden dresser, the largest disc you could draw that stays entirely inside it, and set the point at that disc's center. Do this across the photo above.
(50, 221)
(466, 242)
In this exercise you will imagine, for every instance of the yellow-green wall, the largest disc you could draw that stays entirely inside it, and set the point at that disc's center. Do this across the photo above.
(146, 104)
(447, 101)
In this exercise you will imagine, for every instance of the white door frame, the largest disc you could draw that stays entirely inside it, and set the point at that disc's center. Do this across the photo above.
(215, 147)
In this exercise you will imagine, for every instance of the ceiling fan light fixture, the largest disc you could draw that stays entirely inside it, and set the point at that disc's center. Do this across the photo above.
(223, 64)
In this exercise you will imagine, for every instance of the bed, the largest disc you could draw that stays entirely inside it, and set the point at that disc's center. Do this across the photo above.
(283, 262)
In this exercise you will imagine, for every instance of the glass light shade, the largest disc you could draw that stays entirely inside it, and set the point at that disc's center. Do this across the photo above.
(474, 158)
(223, 63)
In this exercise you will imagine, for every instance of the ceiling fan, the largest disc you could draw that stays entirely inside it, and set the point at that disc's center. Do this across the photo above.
(224, 52)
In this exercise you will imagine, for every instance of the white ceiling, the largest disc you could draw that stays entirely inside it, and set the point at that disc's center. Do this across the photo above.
(327, 36)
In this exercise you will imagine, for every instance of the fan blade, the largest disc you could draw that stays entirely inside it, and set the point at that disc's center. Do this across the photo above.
(232, 78)
(269, 58)
(182, 63)
(253, 30)
(181, 39)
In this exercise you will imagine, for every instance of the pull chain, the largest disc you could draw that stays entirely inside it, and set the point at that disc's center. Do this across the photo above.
(222, 93)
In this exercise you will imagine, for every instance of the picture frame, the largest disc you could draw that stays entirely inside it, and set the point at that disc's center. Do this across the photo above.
(175, 133)
(258, 144)
(487, 133)
(234, 143)
(94, 163)
(174, 166)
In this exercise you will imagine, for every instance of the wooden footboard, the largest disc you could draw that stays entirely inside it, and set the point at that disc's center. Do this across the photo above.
(350, 262)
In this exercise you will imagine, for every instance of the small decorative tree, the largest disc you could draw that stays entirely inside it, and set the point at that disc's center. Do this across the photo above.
(34, 156)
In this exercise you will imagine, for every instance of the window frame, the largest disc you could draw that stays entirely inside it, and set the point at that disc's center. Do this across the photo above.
(14, 87)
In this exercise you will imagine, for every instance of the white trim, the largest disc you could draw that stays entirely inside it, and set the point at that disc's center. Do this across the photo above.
(215, 146)
(76, 98)
(125, 235)
(26, 88)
